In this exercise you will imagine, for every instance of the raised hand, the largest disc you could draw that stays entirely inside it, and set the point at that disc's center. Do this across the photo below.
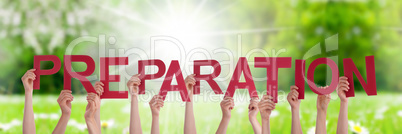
(99, 91)
(253, 108)
(156, 104)
(295, 105)
(91, 108)
(227, 105)
(135, 123)
(133, 84)
(322, 105)
(252, 113)
(190, 81)
(28, 79)
(323, 101)
(189, 120)
(28, 123)
(64, 101)
(293, 97)
(90, 111)
(266, 106)
(342, 88)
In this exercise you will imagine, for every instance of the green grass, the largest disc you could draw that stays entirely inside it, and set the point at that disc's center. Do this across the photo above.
(378, 114)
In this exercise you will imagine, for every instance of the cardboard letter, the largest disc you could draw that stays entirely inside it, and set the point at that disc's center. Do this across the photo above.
(39, 72)
(174, 70)
(335, 76)
(207, 77)
(105, 77)
(349, 68)
(272, 64)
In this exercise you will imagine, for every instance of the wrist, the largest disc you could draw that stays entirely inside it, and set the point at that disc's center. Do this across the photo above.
(320, 110)
(295, 109)
(252, 119)
(265, 120)
(65, 116)
(226, 116)
(28, 92)
(156, 116)
(344, 101)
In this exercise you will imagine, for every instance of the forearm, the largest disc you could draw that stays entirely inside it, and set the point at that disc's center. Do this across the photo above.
(189, 121)
(265, 126)
(343, 118)
(62, 124)
(256, 126)
(321, 127)
(296, 126)
(155, 124)
(28, 125)
(223, 126)
(97, 118)
(92, 126)
(135, 123)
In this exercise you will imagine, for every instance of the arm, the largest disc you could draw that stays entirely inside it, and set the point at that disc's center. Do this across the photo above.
(343, 87)
(28, 123)
(295, 105)
(266, 105)
(189, 121)
(252, 113)
(99, 91)
(135, 123)
(322, 105)
(64, 101)
(156, 104)
(90, 114)
(227, 105)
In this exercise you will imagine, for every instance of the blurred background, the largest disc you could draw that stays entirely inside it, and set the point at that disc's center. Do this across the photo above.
(222, 30)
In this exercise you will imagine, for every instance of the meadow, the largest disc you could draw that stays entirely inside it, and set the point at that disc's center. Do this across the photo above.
(380, 114)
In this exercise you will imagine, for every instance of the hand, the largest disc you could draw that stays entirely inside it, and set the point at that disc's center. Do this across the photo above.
(133, 84)
(190, 82)
(293, 97)
(342, 88)
(227, 105)
(323, 101)
(253, 107)
(266, 105)
(91, 107)
(28, 79)
(64, 101)
(156, 104)
(99, 91)
(99, 88)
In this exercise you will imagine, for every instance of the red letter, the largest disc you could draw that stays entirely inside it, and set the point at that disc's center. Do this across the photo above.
(39, 72)
(143, 77)
(300, 72)
(106, 77)
(349, 68)
(242, 66)
(174, 70)
(272, 65)
(207, 77)
(81, 76)
(335, 76)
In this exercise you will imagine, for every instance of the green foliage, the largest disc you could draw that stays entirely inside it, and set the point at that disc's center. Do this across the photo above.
(362, 28)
